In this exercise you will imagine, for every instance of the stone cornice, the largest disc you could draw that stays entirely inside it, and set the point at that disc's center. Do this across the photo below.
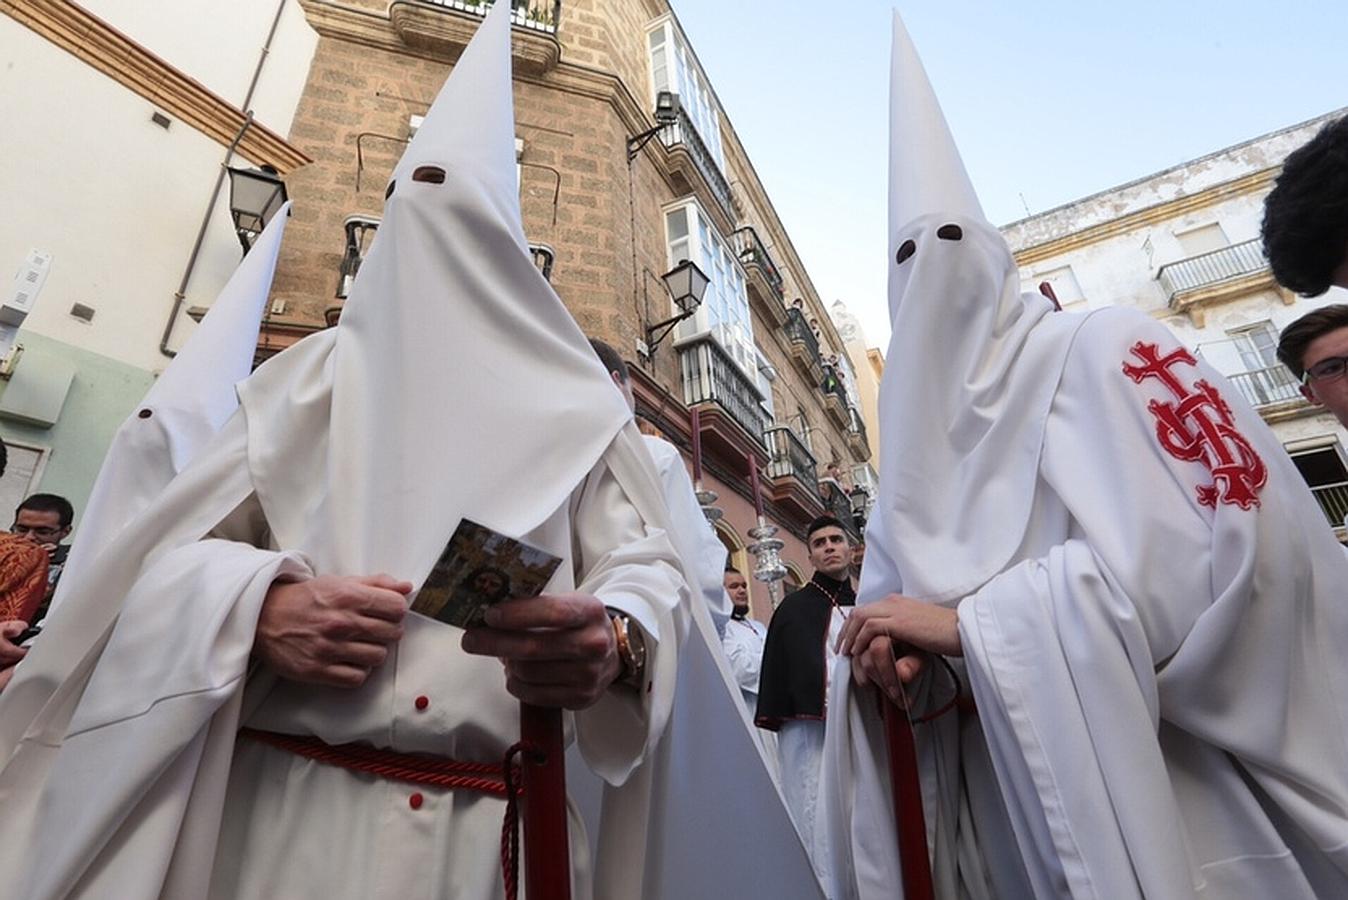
(104, 48)
(1170, 209)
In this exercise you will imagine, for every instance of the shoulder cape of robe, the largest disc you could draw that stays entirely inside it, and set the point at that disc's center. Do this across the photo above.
(791, 680)
(1160, 679)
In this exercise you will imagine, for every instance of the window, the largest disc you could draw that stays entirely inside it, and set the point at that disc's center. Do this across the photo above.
(1257, 345)
(1324, 470)
(1204, 239)
(724, 312)
(22, 473)
(675, 68)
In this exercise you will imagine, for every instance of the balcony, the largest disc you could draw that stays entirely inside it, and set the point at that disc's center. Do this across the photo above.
(792, 476)
(804, 345)
(444, 27)
(711, 376)
(835, 397)
(765, 281)
(838, 505)
(1271, 387)
(694, 162)
(1192, 284)
(788, 457)
(857, 439)
(1333, 499)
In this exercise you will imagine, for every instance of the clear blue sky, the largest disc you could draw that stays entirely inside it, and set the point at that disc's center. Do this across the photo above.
(1051, 99)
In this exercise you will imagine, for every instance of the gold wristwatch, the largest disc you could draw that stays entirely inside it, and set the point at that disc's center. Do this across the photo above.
(631, 650)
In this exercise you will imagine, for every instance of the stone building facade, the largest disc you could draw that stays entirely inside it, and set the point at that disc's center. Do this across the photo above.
(606, 216)
(1183, 246)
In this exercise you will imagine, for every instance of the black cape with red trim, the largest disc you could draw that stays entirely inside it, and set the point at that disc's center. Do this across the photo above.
(791, 684)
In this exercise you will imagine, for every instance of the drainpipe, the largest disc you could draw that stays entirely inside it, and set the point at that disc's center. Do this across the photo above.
(181, 294)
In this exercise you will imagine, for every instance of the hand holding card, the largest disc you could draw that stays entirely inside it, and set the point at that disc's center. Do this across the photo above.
(478, 568)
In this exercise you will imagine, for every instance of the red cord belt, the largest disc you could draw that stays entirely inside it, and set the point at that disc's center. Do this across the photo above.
(424, 769)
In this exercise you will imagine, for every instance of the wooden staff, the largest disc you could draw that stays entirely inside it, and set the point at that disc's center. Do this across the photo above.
(547, 853)
(914, 861)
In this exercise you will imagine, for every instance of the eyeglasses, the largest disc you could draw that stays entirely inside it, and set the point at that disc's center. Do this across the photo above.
(1326, 370)
(16, 528)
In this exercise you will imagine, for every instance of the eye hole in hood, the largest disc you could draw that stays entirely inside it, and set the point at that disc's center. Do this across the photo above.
(950, 232)
(906, 249)
(429, 174)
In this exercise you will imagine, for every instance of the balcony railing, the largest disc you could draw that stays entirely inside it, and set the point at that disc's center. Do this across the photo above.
(752, 253)
(683, 133)
(360, 236)
(1333, 500)
(837, 503)
(1212, 268)
(710, 375)
(1264, 387)
(536, 15)
(788, 456)
(798, 332)
(856, 426)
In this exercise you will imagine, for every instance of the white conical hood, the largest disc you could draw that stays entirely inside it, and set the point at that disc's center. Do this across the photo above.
(184, 408)
(926, 173)
(970, 372)
(456, 384)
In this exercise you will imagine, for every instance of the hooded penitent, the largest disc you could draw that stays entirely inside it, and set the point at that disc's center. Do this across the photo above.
(969, 374)
(451, 340)
(184, 408)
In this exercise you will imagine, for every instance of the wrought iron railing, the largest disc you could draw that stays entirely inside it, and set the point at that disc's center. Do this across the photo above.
(855, 424)
(1211, 268)
(1333, 500)
(837, 503)
(709, 374)
(360, 235)
(833, 385)
(544, 257)
(788, 455)
(752, 253)
(1264, 387)
(798, 331)
(684, 132)
(536, 15)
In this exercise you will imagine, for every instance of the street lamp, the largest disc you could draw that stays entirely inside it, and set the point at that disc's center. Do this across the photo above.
(686, 284)
(667, 109)
(254, 197)
(859, 498)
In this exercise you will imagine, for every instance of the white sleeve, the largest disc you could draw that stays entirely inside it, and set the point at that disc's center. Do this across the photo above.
(745, 652)
(631, 568)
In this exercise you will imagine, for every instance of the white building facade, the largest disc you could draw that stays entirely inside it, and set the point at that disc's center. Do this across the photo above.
(1183, 246)
(118, 120)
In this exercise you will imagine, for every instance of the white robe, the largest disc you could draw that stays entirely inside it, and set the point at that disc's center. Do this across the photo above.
(1161, 682)
(137, 790)
(800, 748)
(743, 642)
(703, 553)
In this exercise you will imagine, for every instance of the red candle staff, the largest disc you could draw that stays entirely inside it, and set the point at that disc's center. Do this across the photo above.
(547, 854)
(757, 488)
(697, 448)
(914, 863)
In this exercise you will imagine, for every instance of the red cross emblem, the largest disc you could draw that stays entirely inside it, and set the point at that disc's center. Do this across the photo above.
(1198, 427)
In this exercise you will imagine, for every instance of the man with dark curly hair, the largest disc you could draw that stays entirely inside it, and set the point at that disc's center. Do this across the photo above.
(1305, 226)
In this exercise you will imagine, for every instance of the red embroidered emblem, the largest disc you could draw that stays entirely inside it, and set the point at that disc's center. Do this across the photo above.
(1198, 427)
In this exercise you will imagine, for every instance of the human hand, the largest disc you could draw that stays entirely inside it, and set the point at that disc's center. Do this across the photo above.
(923, 625)
(10, 653)
(330, 630)
(872, 632)
(558, 649)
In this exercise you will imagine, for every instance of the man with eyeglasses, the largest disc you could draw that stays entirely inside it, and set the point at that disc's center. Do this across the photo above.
(46, 519)
(1315, 348)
